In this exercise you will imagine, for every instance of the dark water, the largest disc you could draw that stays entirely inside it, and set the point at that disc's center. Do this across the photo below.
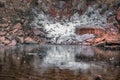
(55, 62)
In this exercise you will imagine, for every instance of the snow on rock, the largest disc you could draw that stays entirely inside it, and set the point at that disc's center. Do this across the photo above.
(61, 31)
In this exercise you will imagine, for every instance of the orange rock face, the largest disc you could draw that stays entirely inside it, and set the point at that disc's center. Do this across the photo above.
(96, 31)
(101, 35)
(112, 38)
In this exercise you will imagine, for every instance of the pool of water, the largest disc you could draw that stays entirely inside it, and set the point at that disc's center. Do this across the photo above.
(58, 62)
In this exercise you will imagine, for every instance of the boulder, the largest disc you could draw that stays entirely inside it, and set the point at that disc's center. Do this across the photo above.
(2, 39)
(17, 26)
(29, 40)
(3, 33)
(6, 41)
(14, 31)
(37, 32)
(97, 40)
(20, 39)
(4, 25)
(20, 33)
(13, 43)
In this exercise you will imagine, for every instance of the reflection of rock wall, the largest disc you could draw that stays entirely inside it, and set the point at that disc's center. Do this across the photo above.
(107, 53)
(63, 57)
(57, 62)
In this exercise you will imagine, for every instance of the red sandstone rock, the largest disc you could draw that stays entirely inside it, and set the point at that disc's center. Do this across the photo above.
(6, 41)
(52, 11)
(66, 12)
(111, 19)
(90, 40)
(14, 31)
(96, 40)
(118, 14)
(112, 38)
(4, 25)
(2, 39)
(25, 22)
(37, 32)
(11, 37)
(96, 31)
(2, 33)
(13, 43)
(29, 40)
(20, 33)
(21, 39)
(17, 26)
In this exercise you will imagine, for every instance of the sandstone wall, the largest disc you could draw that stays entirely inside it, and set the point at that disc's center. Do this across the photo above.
(15, 16)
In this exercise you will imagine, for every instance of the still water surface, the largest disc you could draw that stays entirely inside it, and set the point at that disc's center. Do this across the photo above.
(58, 62)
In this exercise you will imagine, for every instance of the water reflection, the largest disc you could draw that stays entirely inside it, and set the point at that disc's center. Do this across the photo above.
(55, 62)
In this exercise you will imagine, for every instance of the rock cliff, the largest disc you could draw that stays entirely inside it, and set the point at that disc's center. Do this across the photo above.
(56, 21)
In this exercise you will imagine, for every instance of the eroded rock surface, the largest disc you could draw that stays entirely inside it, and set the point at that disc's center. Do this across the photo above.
(17, 15)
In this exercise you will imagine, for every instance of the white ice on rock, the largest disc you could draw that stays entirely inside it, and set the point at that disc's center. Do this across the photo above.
(64, 31)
